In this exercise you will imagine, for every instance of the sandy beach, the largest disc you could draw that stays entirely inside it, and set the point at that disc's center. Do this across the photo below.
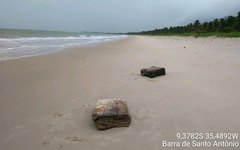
(46, 101)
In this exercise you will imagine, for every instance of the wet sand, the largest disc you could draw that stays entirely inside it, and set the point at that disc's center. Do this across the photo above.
(46, 101)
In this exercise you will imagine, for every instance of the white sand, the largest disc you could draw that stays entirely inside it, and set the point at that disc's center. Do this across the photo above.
(46, 101)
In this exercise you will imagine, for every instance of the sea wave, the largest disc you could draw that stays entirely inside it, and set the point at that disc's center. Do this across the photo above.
(80, 37)
(11, 48)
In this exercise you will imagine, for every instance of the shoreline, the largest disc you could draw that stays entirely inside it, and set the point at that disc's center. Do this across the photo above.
(107, 42)
(46, 101)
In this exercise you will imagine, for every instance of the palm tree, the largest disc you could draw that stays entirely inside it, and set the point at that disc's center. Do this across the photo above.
(210, 26)
(196, 25)
(238, 21)
(205, 26)
(216, 25)
(222, 24)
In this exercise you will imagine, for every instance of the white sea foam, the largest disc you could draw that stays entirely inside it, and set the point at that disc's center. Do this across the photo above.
(11, 48)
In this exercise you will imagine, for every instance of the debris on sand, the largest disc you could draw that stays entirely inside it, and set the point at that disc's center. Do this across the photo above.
(110, 113)
(153, 72)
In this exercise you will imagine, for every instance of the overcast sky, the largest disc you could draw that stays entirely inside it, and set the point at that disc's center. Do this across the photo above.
(110, 15)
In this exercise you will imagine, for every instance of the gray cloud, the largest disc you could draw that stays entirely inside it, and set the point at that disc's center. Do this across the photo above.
(110, 15)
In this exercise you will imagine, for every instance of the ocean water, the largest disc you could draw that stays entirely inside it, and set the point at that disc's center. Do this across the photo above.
(15, 43)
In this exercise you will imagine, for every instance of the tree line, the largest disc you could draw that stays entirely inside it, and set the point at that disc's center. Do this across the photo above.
(225, 25)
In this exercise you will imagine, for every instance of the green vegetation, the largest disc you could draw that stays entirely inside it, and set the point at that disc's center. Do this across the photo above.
(223, 27)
